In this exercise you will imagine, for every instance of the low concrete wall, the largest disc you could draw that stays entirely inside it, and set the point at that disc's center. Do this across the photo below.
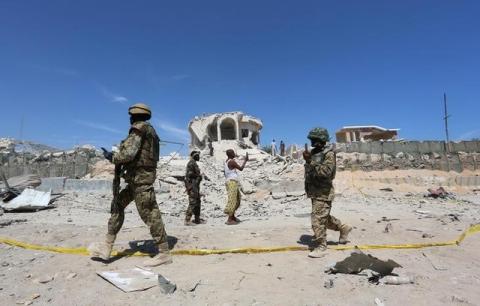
(61, 184)
(420, 147)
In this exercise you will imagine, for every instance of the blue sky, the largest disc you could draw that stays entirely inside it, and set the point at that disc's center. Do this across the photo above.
(70, 69)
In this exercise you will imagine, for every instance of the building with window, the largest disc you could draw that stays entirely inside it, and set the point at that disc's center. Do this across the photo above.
(365, 133)
(223, 127)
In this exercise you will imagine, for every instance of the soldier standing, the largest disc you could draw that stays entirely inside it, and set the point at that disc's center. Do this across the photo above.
(193, 177)
(138, 155)
(320, 169)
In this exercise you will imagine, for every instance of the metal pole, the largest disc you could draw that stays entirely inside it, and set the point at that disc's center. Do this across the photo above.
(446, 121)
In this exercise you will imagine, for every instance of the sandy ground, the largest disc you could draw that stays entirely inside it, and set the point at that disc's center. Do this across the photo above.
(287, 278)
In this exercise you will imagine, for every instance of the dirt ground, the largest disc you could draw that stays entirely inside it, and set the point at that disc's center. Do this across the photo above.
(443, 275)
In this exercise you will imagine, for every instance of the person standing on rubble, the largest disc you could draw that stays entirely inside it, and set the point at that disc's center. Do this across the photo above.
(320, 169)
(138, 155)
(232, 185)
(273, 148)
(210, 146)
(193, 177)
(282, 148)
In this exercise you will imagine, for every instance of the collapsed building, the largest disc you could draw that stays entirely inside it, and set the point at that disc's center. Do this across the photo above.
(232, 128)
(364, 133)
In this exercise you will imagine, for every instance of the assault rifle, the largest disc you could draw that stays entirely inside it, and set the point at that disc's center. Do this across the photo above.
(114, 207)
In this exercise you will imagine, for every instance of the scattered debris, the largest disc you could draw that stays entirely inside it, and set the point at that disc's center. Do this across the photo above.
(397, 280)
(385, 219)
(388, 228)
(424, 213)
(35, 296)
(4, 223)
(379, 302)
(43, 279)
(359, 261)
(426, 235)
(129, 280)
(71, 275)
(435, 263)
(386, 189)
(166, 286)
(328, 284)
(192, 288)
(29, 200)
(12, 187)
(440, 192)
(239, 282)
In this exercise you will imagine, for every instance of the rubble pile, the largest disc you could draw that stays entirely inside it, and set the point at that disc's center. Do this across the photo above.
(267, 184)
(18, 158)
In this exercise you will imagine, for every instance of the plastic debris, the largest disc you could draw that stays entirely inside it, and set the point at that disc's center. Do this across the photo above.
(359, 261)
(29, 199)
(129, 280)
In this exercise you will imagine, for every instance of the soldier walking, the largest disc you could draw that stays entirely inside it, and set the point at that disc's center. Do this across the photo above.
(138, 155)
(320, 169)
(193, 177)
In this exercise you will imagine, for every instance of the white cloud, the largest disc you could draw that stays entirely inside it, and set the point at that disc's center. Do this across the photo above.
(113, 96)
(98, 126)
(120, 99)
(57, 70)
(470, 134)
(173, 130)
(179, 77)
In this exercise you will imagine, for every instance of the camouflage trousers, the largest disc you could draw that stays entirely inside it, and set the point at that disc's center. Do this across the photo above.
(233, 200)
(144, 197)
(194, 204)
(322, 220)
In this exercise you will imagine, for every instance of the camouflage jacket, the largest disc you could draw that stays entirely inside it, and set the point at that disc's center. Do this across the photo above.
(319, 174)
(193, 176)
(139, 154)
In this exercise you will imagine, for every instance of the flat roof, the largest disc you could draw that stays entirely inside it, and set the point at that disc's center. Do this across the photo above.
(349, 127)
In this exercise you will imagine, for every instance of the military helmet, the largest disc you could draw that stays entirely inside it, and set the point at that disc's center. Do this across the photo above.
(139, 109)
(318, 133)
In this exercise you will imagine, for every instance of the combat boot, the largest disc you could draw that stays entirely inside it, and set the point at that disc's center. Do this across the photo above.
(163, 257)
(199, 220)
(103, 249)
(318, 252)
(189, 222)
(344, 231)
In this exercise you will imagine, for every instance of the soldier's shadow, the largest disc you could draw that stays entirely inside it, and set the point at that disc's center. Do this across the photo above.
(147, 247)
(308, 241)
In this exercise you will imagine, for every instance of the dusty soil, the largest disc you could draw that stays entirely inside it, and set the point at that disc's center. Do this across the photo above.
(287, 278)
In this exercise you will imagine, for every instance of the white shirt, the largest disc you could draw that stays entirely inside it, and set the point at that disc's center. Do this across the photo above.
(230, 174)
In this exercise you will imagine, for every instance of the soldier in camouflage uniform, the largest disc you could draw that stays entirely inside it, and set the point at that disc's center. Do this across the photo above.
(193, 177)
(138, 155)
(320, 168)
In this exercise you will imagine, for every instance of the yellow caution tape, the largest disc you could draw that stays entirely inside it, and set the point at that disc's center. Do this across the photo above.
(251, 250)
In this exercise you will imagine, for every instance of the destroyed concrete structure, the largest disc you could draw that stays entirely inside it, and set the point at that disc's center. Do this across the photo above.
(223, 128)
(364, 133)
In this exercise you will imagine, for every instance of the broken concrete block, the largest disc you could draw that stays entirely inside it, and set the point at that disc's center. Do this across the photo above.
(397, 280)
(166, 286)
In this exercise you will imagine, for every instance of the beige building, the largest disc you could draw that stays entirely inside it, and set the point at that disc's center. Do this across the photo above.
(365, 133)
